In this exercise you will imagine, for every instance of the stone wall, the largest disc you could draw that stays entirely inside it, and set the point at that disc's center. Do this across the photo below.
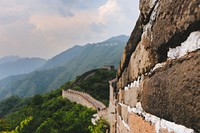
(111, 109)
(158, 80)
(83, 98)
(75, 97)
(87, 100)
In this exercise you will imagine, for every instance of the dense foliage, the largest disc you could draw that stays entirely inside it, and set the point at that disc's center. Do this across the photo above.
(102, 126)
(12, 104)
(97, 84)
(19, 128)
(50, 113)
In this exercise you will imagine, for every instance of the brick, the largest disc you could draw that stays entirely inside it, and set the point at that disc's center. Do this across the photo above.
(139, 125)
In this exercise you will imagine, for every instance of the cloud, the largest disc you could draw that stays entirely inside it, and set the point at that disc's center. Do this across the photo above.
(11, 15)
(98, 27)
(117, 16)
(65, 13)
(44, 28)
(83, 4)
(107, 11)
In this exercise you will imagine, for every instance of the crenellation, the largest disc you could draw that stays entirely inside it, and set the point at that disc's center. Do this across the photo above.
(83, 98)
(75, 97)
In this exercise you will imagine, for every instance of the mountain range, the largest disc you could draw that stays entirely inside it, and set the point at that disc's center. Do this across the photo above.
(14, 65)
(64, 67)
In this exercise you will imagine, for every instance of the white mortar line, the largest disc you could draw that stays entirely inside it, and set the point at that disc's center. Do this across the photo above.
(135, 83)
(125, 124)
(192, 43)
(148, 26)
(158, 122)
(118, 125)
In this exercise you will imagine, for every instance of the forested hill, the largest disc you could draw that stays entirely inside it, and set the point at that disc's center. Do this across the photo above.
(64, 67)
(50, 113)
(91, 53)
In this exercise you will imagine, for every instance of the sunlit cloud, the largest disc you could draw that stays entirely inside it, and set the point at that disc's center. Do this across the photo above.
(108, 10)
(45, 28)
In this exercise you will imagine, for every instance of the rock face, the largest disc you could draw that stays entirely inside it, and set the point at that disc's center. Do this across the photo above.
(173, 92)
(166, 84)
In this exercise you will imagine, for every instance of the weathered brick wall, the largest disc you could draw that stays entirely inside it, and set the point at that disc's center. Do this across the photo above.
(111, 109)
(158, 80)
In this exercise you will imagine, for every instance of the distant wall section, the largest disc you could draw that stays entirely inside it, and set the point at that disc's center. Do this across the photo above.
(83, 99)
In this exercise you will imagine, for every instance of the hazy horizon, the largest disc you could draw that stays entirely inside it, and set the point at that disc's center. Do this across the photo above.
(58, 52)
(44, 29)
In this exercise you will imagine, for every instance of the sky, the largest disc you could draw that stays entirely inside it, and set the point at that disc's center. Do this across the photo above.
(45, 28)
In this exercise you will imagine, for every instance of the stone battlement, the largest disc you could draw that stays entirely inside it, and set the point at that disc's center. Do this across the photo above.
(83, 98)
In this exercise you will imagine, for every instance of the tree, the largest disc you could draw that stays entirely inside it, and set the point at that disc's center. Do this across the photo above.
(102, 126)
(37, 99)
(3, 125)
(20, 127)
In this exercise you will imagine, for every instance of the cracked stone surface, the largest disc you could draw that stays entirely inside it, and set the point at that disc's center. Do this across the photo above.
(173, 91)
(172, 24)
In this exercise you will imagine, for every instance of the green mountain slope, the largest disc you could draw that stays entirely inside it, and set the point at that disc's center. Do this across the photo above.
(93, 53)
(65, 67)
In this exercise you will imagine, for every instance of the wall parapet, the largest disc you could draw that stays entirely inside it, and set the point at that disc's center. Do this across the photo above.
(83, 98)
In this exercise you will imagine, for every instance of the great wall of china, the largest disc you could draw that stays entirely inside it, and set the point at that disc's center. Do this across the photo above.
(83, 98)
(86, 99)
(158, 80)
